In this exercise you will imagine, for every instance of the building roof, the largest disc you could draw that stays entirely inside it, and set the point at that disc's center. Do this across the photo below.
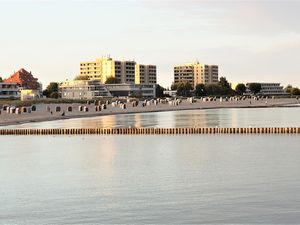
(24, 79)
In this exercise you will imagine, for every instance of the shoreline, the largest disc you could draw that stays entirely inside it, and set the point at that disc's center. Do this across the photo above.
(42, 116)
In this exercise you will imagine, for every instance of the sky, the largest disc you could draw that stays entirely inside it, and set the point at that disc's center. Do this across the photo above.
(251, 41)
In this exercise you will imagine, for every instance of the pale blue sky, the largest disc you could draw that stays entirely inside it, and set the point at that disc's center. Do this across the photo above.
(249, 40)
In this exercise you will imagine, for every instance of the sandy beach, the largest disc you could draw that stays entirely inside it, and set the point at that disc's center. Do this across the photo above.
(42, 114)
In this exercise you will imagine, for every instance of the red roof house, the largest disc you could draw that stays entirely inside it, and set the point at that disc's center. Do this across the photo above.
(24, 79)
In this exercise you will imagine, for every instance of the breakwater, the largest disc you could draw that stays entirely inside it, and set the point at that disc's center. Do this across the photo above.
(152, 131)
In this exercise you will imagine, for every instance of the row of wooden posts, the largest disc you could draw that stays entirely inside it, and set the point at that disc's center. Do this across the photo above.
(152, 131)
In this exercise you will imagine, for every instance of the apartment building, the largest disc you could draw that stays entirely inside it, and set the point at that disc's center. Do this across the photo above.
(9, 90)
(145, 74)
(196, 73)
(128, 72)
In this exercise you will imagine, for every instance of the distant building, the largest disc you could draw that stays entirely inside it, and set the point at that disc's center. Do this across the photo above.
(132, 90)
(128, 72)
(25, 80)
(9, 90)
(30, 95)
(267, 89)
(171, 93)
(83, 89)
(90, 89)
(196, 73)
(145, 74)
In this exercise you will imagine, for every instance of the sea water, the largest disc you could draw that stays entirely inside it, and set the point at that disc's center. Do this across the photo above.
(179, 179)
(234, 117)
(154, 179)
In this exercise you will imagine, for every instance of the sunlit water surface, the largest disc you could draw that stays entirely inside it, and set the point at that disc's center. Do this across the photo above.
(235, 117)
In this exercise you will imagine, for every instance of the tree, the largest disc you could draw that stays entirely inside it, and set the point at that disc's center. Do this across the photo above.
(54, 95)
(288, 89)
(174, 86)
(183, 88)
(224, 83)
(1, 80)
(159, 91)
(295, 91)
(112, 80)
(215, 89)
(200, 90)
(82, 77)
(255, 87)
(240, 88)
(51, 88)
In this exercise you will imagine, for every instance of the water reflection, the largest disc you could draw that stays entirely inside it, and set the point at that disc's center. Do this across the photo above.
(104, 122)
(237, 117)
(200, 118)
(234, 121)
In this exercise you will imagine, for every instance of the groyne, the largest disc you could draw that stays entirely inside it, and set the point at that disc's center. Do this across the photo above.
(152, 131)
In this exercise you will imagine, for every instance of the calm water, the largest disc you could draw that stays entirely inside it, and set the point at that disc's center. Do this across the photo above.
(258, 117)
(154, 179)
(150, 179)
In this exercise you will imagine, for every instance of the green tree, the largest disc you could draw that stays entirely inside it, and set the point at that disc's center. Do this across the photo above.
(184, 88)
(255, 87)
(174, 86)
(215, 89)
(159, 91)
(224, 83)
(295, 91)
(51, 88)
(240, 88)
(54, 94)
(82, 77)
(1, 80)
(112, 80)
(200, 90)
(288, 89)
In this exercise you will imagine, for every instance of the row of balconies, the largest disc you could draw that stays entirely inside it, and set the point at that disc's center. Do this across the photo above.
(182, 71)
(3, 92)
(184, 78)
(88, 64)
(8, 86)
(271, 88)
(271, 85)
(130, 63)
(184, 75)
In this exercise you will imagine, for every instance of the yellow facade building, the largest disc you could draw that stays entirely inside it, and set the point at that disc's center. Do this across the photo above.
(145, 74)
(196, 73)
(128, 72)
